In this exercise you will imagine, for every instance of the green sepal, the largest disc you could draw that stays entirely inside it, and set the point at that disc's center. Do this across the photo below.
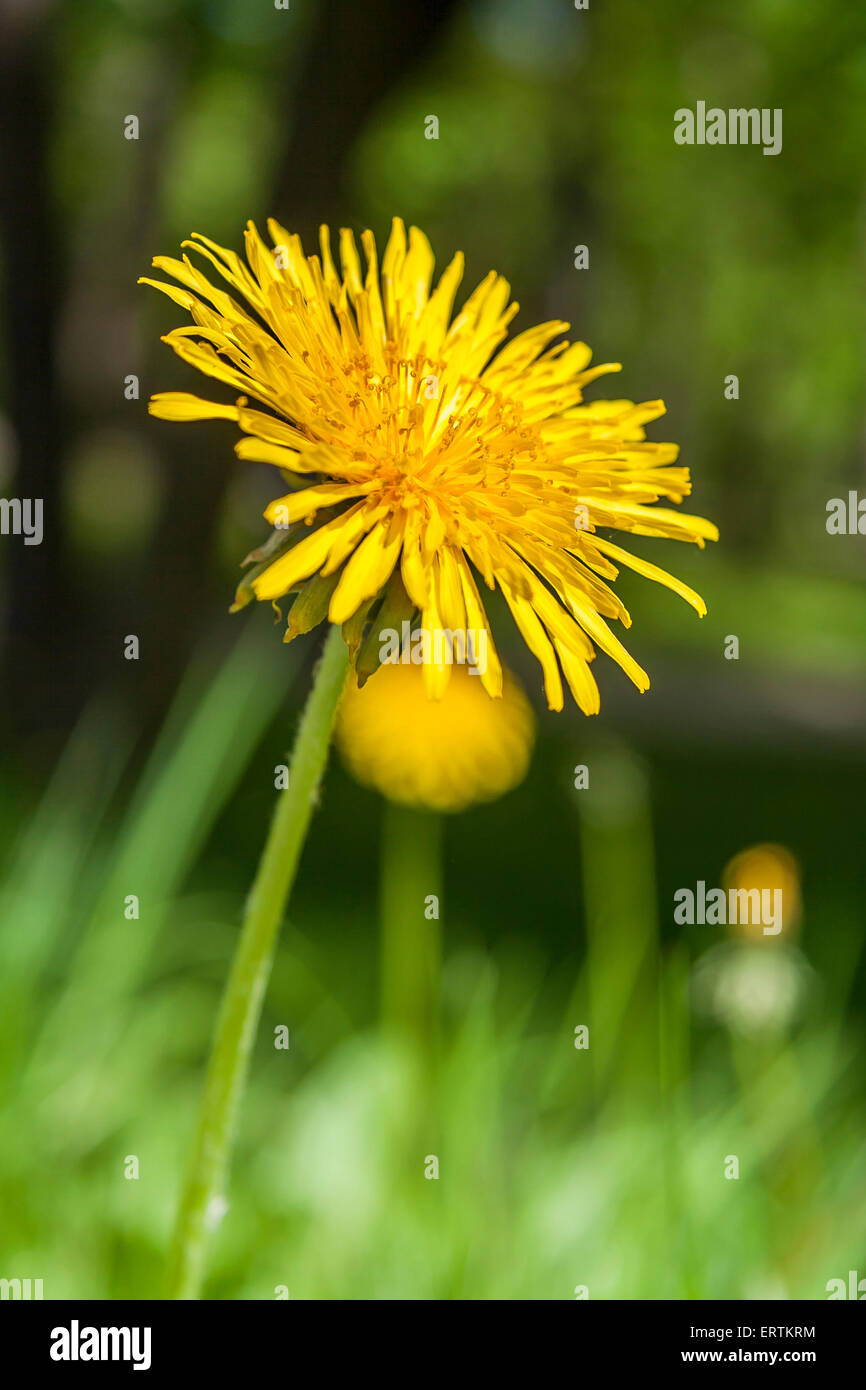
(353, 628)
(280, 541)
(311, 605)
(277, 543)
(397, 608)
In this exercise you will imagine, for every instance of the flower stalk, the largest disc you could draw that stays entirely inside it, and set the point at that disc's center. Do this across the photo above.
(411, 880)
(203, 1199)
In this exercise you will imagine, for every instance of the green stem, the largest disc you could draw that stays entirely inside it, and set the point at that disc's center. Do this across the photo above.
(203, 1194)
(411, 944)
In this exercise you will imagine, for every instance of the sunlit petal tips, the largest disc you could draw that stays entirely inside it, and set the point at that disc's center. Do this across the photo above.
(424, 451)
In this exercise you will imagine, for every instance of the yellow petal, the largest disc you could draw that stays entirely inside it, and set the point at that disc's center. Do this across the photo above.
(649, 571)
(303, 560)
(178, 405)
(368, 570)
(296, 506)
(538, 643)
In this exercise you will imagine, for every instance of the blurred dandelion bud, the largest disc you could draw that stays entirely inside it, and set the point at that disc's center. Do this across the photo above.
(740, 984)
(444, 754)
(773, 872)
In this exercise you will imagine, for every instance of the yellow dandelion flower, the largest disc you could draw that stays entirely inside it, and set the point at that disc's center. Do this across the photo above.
(444, 754)
(422, 453)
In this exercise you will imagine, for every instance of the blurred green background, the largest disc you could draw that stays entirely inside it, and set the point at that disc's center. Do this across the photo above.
(559, 1168)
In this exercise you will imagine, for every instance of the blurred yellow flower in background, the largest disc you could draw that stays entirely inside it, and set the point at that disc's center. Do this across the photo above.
(755, 991)
(766, 868)
(444, 754)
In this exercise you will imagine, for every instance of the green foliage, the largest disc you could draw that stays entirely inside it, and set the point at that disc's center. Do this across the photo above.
(559, 1165)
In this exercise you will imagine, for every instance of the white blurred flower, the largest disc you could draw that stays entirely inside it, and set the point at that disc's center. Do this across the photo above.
(751, 989)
